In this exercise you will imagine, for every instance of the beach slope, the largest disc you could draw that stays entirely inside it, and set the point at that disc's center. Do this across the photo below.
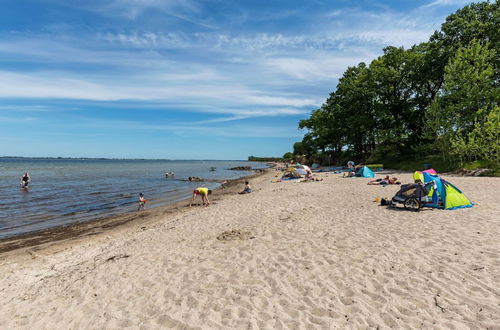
(316, 255)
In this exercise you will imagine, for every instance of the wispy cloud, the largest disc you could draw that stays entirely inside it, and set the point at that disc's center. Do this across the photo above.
(32, 108)
(194, 128)
(51, 85)
(239, 74)
(446, 3)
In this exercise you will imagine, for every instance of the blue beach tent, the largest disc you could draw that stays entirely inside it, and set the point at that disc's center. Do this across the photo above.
(444, 195)
(365, 172)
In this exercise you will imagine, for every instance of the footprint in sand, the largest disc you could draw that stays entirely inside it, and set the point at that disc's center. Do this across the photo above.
(231, 235)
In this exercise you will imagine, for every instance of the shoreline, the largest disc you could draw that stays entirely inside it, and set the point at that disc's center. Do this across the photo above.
(102, 225)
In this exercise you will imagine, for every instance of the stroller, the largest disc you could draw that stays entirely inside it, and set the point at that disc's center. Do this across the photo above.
(413, 196)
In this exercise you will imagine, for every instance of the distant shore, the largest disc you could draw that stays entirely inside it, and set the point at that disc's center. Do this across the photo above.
(105, 158)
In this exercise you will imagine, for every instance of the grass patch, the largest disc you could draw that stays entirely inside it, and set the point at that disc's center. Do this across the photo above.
(374, 166)
(440, 165)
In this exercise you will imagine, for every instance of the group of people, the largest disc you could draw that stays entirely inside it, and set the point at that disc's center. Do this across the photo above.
(200, 191)
(351, 171)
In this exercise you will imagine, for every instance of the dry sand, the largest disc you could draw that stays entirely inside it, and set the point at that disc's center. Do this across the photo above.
(318, 255)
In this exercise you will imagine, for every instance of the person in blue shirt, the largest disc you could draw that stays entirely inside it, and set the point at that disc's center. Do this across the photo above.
(247, 189)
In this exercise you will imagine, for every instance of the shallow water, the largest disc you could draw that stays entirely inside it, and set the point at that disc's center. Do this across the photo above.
(64, 191)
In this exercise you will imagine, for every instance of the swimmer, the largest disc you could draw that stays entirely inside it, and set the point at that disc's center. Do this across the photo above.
(25, 180)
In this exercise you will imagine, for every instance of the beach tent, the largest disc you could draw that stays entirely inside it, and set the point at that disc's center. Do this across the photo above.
(365, 172)
(444, 194)
(419, 175)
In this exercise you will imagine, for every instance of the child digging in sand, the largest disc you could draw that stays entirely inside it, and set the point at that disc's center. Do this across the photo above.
(203, 192)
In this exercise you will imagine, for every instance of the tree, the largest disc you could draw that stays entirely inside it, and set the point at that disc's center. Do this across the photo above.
(469, 95)
(446, 87)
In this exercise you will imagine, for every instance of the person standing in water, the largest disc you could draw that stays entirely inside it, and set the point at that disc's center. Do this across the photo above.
(203, 192)
(142, 202)
(25, 180)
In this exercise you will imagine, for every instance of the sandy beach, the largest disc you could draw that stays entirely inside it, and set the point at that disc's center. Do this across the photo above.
(315, 255)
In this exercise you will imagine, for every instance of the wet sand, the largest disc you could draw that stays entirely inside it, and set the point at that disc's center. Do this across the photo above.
(316, 255)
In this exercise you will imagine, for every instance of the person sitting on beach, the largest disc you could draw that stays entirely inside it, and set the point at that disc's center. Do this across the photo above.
(203, 192)
(350, 174)
(247, 189)
(142, 202)
(25, 180)
(351, 170)
(384, 181)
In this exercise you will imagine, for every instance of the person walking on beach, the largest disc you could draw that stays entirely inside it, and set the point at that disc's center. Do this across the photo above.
(203, 192)
(142, 202)
(25, 180)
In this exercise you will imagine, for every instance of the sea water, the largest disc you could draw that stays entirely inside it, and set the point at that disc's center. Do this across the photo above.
(65, 191)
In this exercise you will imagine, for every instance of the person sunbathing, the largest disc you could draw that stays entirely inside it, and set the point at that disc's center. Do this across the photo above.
(385, 181)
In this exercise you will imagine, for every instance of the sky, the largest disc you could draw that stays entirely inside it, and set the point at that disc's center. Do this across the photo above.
(184, 79)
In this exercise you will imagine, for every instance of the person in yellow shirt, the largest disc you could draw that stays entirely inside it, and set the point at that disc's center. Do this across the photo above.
(203, 192)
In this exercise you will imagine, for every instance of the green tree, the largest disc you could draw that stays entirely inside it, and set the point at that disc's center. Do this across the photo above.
(469, 95)
(478, 21)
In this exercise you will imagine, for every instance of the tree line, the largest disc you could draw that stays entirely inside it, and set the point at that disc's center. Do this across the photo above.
(439, 98)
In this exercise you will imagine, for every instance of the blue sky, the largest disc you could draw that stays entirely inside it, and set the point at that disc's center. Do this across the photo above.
(184, 79)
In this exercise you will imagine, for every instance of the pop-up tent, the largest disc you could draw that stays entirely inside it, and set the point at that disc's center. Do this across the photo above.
(419, 175)
(365, 172)
(444, 195)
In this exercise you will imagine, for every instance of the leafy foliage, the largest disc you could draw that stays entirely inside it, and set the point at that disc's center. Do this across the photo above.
(440, 97)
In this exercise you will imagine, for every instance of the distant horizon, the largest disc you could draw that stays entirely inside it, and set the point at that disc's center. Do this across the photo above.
(185, 80)
(107, 158)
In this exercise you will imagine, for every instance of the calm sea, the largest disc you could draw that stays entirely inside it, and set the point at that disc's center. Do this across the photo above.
(64, 191)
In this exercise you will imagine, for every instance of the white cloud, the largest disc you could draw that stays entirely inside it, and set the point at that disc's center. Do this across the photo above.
(133, 8)
(52, 85)
(201, 128)
(447, 3)
(29, 108)
(237, 74)
(314, 68)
